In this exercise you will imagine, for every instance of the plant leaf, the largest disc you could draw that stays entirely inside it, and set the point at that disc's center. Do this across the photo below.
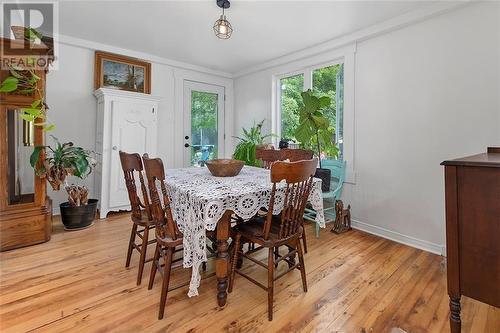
(324, 102)
(49, 128)
(35, 156)
(27, 117)
(9, 84)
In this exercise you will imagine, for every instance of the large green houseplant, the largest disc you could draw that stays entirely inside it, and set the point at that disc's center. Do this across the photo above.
(314, 131)
(249, 142)
(61, 161)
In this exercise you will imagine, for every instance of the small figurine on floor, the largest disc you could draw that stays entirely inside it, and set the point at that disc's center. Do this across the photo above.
(342, 218)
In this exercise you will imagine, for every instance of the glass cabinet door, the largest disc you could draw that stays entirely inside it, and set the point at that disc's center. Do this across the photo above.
(20, 142)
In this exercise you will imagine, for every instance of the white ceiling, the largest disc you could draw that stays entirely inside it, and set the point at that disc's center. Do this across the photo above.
(182, 30)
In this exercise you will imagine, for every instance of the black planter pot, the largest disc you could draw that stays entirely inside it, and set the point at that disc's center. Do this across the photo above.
(283, 144)
(324, 175)
(75, 218)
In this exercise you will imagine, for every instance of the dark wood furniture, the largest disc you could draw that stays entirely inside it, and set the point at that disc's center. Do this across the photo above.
(294, 155)
(168, 236)
(25, 209)
(141, 215)
(267, 156)
(271, 232)
(473, 230)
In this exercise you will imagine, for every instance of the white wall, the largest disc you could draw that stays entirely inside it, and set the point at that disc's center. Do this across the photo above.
(73, 105)
(423, 93)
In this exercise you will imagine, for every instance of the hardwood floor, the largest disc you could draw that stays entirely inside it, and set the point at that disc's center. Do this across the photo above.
(357, 282)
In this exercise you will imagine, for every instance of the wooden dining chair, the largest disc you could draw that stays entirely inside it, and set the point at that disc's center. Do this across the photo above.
(267, 156)
(141, 214)
(294, 155)
(168, 236)
(271, 232)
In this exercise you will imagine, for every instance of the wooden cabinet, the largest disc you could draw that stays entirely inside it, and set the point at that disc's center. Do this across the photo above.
(25, 210)
(126, 121)
(473, 230)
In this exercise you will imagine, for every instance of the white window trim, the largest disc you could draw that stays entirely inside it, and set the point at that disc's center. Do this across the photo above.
(345, 55)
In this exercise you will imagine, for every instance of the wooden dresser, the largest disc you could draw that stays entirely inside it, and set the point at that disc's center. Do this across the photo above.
(473, 230)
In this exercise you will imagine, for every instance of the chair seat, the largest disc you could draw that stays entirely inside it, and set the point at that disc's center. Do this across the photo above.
(143, 221)
(253, 231)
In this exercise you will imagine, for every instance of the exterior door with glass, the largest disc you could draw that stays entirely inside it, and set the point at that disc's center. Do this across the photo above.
(203, 123)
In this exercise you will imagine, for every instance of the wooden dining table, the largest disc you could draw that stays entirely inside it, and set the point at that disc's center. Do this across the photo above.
(201, 202)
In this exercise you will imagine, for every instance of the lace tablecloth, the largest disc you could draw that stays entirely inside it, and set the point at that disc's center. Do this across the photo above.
(198, 201)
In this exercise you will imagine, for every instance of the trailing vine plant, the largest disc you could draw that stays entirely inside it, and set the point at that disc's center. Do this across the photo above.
(24, 81)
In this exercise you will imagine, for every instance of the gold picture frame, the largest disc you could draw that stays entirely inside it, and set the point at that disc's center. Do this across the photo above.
(123, 73)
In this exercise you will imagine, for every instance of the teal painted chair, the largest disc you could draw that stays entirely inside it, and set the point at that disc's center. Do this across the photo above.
(337, 168)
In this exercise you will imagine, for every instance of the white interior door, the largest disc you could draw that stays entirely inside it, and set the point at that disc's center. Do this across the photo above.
(133, 131)
(204, 132)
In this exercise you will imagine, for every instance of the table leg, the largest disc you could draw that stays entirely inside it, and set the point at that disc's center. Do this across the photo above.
(222, 261)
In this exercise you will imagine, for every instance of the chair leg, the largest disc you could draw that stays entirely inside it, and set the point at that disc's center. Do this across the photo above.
(144, 248)
(154, 266)
(270, 284)
(302, 267)
(276, 256)
(166, 280)
(239, 261)
(236, 250)
(304, 240)
(317, 230)
(130, 244)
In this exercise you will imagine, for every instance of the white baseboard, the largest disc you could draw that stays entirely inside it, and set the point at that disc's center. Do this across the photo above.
(378, 231)
(400, 238)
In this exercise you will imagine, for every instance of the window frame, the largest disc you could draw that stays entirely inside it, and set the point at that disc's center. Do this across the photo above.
(308, 84)
(344, 55)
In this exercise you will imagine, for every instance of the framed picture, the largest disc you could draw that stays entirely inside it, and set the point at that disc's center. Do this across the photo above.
(123, 73)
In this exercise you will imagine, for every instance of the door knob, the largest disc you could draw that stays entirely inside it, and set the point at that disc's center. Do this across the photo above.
(115, 148)
(186, 145)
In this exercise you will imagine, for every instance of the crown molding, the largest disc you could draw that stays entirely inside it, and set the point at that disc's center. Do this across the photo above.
(387, 26)
(104, 92)
(83, 43)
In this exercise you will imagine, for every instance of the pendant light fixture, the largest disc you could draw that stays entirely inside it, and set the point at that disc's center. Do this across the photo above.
(222, 27)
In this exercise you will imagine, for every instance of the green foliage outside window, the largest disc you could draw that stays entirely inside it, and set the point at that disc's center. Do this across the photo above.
(203, 126)
(324, 82)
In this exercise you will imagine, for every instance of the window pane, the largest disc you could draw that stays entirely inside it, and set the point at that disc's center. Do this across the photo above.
(291, 87)
(329, 81)
(203, 127)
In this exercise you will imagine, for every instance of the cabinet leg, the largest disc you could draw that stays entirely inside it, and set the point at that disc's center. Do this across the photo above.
(455, 323)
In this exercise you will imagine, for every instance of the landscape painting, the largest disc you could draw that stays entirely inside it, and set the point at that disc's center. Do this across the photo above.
(123, 73)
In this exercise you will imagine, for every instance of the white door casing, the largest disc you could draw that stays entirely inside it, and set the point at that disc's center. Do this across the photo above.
(189, 87)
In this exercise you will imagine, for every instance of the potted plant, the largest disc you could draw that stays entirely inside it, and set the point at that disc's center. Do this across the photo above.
(62, 161)
(251, 140)
(314, 130)
(24, 80)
